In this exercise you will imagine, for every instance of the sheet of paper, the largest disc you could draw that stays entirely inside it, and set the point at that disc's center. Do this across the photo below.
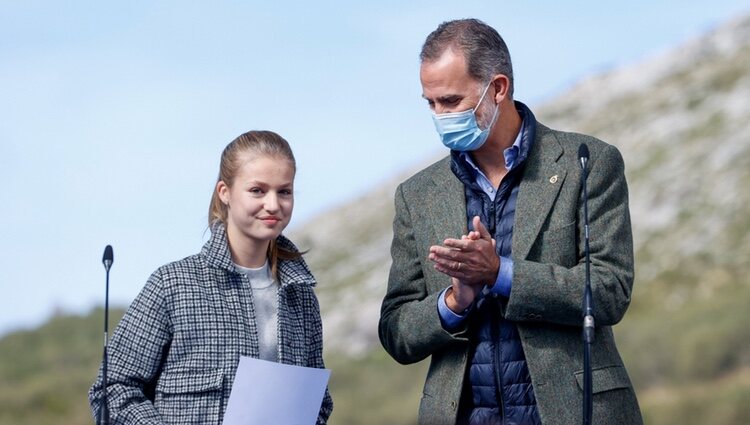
(273, 393)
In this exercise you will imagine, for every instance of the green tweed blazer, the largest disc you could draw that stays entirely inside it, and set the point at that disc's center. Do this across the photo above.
(548, 281)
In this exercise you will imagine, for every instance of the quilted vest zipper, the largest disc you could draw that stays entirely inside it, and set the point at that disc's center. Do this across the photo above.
(497, 356)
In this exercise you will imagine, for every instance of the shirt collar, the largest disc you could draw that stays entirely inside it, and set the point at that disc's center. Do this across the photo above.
(510, 154)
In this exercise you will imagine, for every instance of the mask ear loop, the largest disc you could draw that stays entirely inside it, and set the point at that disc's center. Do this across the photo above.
(484, 93)
(497, 107)
(495, 116)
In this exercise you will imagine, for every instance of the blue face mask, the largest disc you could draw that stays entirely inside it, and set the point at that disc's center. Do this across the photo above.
(459, 131)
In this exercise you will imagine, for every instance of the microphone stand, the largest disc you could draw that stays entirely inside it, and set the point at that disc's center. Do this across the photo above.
(588, 303)
(104, 409)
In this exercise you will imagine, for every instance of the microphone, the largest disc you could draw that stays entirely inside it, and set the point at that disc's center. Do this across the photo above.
(107, 260)
(108, 257)
(583, 156)
(588, 303)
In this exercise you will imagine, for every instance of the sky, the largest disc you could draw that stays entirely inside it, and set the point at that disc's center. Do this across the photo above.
(113, 115)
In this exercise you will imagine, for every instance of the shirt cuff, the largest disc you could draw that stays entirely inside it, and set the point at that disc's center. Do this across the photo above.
(450, 320)
(504, 282)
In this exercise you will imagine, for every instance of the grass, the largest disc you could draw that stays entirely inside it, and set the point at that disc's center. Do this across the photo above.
(374, 390)
(720, 401)
(707, 336)
(46, 373)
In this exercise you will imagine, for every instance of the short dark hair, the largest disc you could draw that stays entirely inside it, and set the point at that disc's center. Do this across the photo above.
(485, 51)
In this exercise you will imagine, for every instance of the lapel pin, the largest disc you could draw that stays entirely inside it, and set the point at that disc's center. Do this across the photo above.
(553, 179)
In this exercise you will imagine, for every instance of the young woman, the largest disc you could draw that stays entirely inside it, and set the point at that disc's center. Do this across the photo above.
(173, 357)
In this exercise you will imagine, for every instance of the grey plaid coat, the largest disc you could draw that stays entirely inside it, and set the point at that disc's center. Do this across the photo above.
(174, 355)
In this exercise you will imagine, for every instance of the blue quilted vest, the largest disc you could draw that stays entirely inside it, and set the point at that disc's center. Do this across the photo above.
(501, 387)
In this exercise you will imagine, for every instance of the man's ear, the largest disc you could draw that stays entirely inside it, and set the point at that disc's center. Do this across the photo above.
(502, 87)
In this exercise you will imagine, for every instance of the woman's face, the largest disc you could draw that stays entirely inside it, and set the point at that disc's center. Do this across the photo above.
(260, 200)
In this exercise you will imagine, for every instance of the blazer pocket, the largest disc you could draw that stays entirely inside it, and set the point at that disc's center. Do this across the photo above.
(605, 379)
(190, 397)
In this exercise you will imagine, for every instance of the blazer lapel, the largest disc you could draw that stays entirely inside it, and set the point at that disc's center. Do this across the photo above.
(447, 202)
(541, 182)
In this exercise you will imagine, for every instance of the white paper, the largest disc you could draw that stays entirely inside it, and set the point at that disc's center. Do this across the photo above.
(266, 393)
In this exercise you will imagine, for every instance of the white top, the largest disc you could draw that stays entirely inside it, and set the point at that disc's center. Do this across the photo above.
(265, 302)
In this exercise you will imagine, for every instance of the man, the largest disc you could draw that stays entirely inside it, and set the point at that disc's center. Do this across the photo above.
(499, 307)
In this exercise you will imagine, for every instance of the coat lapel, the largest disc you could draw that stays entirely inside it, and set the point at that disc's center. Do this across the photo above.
(447, 202)
(541, 182)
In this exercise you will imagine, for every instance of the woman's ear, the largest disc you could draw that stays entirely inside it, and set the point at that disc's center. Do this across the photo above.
(223, 190)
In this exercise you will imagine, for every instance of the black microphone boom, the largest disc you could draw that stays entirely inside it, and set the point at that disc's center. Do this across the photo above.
(107, 260)
(588, 303)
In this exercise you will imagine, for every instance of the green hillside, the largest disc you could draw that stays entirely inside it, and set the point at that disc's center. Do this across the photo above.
(45, 373)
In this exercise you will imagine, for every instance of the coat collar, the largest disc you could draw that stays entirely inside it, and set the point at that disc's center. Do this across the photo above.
(217, 254)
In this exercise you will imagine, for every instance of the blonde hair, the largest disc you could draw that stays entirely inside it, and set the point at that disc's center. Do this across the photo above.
(256, 143)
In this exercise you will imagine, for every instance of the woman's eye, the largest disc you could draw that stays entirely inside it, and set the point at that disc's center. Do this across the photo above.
(256, 191)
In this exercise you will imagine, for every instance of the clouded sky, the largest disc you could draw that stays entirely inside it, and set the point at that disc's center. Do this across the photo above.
(114, 114)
